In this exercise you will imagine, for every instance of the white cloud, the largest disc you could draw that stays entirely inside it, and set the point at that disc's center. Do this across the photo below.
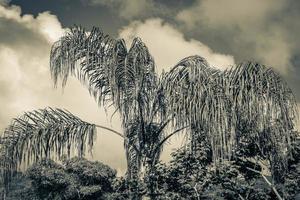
(168, 45)
(45, 23)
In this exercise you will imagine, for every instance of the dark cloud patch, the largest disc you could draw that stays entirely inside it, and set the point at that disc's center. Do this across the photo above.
(176, 4)
(133, 9)
(295, 60)
(293, 78)
(4, 2)
(71, 12)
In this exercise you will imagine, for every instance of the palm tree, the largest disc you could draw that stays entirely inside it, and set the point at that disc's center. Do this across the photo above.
(192, 96)
(114, 76)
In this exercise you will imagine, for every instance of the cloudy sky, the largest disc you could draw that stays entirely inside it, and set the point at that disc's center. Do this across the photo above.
(224, 32)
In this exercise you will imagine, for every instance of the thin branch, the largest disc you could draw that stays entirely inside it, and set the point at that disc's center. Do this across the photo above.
(197, 193)
(166, 138)
(170, 135)
(109, 129)
(119, 134)
(241, 197)
(268, 182)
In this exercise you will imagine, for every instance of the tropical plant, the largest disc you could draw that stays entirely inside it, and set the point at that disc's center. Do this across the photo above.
(207, 102)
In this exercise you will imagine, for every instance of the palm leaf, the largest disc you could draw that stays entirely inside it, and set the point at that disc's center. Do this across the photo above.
(43, 133)
(184, 88)
(258, 94)
(136, 81)
(195, 99)
(88, 56)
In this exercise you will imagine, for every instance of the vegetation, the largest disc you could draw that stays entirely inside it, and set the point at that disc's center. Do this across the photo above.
(193, 176)
(243, 114)
(73, 179)
(187, 176)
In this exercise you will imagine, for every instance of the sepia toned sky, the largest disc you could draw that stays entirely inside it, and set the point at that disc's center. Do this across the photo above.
(224, 32)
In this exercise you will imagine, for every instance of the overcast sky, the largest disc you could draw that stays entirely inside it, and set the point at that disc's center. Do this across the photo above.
(224, 32)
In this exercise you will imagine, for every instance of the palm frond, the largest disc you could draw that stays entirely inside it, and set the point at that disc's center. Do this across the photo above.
(257, 91)
(184, 88)
(91, 57)
(258, 94)
(43, 133)
(136, 82)
(261, 100)
(195, 99)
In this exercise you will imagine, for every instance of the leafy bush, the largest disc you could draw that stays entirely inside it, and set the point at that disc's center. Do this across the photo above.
(74, 179)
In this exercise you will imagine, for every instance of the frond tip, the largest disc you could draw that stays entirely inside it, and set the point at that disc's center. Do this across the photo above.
(43, 133)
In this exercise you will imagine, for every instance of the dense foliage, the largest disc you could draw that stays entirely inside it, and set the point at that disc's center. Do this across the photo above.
(191, 175)
(74, 179)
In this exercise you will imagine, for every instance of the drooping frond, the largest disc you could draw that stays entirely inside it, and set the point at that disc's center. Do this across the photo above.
(262, 102)
(261, 98)
(43, 133)
(137, 82)
(195, 98)
(185, 87)
(258, 93)
(90, 57)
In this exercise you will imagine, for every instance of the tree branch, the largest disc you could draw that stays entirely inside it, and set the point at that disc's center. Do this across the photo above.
(166, 138)
(268, 182)
(111, 130)
(119, 134)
